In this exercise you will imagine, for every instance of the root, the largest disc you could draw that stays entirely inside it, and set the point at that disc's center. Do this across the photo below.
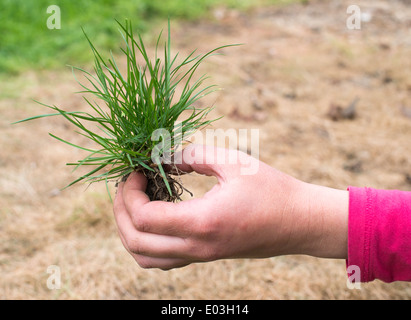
(157, 188)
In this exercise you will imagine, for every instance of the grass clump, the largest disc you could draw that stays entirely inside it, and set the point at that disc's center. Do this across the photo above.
(133, 131)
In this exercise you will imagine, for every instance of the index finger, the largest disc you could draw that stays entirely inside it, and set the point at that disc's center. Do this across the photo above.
(167, 218)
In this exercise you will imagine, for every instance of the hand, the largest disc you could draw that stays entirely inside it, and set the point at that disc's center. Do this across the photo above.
(261, 215)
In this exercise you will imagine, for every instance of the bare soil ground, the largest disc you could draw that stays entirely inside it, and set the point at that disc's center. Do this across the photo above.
(293, 79)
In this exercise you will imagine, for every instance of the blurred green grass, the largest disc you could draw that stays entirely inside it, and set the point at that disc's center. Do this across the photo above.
(27, 43)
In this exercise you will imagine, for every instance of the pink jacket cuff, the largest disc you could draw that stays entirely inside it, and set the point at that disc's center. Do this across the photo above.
(379, 234)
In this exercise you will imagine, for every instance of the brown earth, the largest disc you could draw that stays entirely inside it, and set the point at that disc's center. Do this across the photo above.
(332, 107)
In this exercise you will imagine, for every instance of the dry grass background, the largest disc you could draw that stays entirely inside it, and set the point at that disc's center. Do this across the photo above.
(297, 61)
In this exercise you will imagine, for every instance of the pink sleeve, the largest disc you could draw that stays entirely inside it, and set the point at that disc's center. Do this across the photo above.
(379, 234)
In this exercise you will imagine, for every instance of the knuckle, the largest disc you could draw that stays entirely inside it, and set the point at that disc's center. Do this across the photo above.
(208, 227)
(143, 262)
(140, 223)
(116, 206)
(134, 246)
(204, 250)
(209, 253)
(205, 243)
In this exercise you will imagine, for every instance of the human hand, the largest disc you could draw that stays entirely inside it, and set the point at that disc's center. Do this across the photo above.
(262, 215)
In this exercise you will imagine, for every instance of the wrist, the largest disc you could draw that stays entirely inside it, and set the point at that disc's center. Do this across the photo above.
(327, 227)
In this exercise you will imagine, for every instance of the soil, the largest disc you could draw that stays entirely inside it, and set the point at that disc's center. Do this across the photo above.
(157, 189)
